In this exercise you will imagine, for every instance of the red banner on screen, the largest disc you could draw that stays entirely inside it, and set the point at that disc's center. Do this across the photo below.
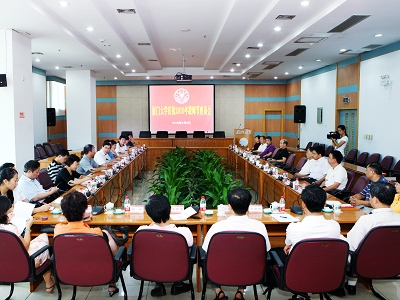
(181, 108)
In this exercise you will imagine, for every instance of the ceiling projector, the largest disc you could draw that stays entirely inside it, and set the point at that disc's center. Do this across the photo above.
(183, 77)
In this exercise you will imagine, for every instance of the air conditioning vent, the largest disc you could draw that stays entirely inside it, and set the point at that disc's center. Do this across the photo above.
(285, 17)
(271, 64)
(126, 10)
(350, 22)
(153, 60)
(37, 53)
(297, 52)
(254, 74)
(144, 44)
(253, 48)
(372, 46)
(308, 40)
(67, 67)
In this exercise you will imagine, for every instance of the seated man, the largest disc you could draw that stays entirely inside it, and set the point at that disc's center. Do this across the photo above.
(321, 165)
(308, 166)
(158, 209)
(267, 153)
(238, 202)
(382, 195)
(257, 143)
(374, 174)
(262, 145)
(282, 154)
(113, 154)
(131, 141)
(101, 157)
(32, 189)
(57, 164)
(336, 178)
(121, 145)
(87, 164)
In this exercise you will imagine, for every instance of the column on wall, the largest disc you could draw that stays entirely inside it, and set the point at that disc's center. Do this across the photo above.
(293, 88)
(106, 107)
(56, 98)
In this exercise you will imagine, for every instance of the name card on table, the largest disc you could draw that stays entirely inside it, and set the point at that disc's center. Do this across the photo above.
(255, 208)
(177, 209)
(137, 209)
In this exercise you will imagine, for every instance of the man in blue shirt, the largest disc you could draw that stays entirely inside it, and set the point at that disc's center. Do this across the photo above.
(87, 164)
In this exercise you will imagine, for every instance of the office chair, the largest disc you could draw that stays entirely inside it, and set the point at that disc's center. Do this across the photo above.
(199, 134)
(162, 134)
(181, 134)
(351, 156)
(386, 163)
(145, 134)
(219, 134)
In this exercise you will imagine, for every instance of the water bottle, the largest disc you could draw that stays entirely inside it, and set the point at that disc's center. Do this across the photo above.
(203, 204)
(296, 184)
(127, 205)
(282, 204)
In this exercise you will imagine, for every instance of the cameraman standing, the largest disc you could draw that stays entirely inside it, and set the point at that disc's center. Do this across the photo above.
(341, 143)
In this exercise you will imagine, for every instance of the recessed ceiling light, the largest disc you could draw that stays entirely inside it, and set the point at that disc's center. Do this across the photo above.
(286, 73)
(275, 77)
(378, 35)
(342, 50)
(147, 77)
(260, 45)
(300, 67)
(238, 64)
(247, 55)
(243, 77)
(115, 78)
(211, 77)
(118, 55)
(133, 71)
(57, 67)
(63, 3)
(232, 70)
(277, 28)
(318, 59)
(37, 59)
(304, 3)
(126, 64)
(90, 28)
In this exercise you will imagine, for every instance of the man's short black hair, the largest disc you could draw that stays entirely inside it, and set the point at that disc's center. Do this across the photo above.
(7, 165)
(376, 167)
(31, 165)
(105, 143)
(384, 191)
(113, 142)
(73, 206)
(71, 159)
(257, 136)
(319, 149)
(314, 198)
(87, 148)
(337, 155)
(268, 137)
(63, 152)
(122, 136)
(239, 199)
(158, 208)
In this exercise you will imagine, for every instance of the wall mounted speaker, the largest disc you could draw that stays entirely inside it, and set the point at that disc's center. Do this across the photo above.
(299, 114)
(51, 117)
(3, 80)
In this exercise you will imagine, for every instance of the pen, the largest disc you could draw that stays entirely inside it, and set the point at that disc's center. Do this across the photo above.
(283, 217)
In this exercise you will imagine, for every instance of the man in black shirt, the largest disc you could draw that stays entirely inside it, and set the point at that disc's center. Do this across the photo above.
(282, 154)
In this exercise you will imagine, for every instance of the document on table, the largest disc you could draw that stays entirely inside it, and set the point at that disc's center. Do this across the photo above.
(22, 212)
(183, 215)
(284, 218)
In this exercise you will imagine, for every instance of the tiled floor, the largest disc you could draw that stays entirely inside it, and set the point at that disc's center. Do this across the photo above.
(390, 289)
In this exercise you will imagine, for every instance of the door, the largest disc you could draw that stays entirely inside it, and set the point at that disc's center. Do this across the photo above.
(348, 118)
(273, 124)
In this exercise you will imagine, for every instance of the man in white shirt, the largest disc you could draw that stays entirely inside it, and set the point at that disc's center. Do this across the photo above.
(336, 178)
(308, 166)
(158, 209)
(321, 166)
(101, 157)
(263, 145)
(121, 145)
(238, 203)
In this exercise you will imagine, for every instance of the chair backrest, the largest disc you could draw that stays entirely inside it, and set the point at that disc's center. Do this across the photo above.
(359, 185)
(300, 164)
(328, 150)
(55, 149)
(60, 147)
(83, 259)
(396, 168)
(199, 134)
(39, 145)
(41, 151)
(145, 134)
(351, 156)
(319, 272)
(229, 252)
(45, 179)
(362, 158)
(149, 263)
(386, 163)
(370, 261)
(126, 133)
(48, 150)
(290, 160)
(315, 144)
(309, 144)
(322, 145)
(14, 259)
(162, 134)
(181, 134)
(36, 153)
(219, 134)
(275, 151)
(350, 178)
(374, 157)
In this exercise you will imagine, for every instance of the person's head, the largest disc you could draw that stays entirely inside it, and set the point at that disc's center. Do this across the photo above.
(113, 145)
(342, 130)
(268, 140)
(73, 206)
(335, 158)
(309, 154)
(31, 169)
(130, 137)
(383, 192)
(5, 209)
(239, 199)
(9, 178)
(89, 150)
(314, 198)
(283, 143)
(262, 139)
(73, 162)
(7, 165)
(158, 208)
(373, 170)
(317, 152)
(106, 147)
(122, 140)
(257, 138)
(62, 156)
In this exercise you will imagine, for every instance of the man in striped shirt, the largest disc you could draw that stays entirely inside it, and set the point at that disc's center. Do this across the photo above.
(57, 164)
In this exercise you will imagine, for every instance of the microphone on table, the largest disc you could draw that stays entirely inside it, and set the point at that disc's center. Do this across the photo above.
(240, 125)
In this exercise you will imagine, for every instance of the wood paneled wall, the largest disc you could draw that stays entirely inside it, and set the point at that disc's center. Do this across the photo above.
(293, 92)
(58, 133)
(348, 82)
(106, 109)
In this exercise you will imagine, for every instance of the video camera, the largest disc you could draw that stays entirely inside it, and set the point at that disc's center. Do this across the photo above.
(333, 135)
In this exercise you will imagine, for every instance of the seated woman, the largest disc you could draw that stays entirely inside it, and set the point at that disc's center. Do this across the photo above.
(396, 201)
(67, 177)
(8, 188)
(73, 206)
(113, 154)
(6, 214)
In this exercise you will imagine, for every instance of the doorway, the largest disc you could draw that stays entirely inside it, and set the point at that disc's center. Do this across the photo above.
(348, 117)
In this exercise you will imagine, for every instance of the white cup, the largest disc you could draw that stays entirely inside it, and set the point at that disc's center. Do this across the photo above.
(274, 206)
(337, 206)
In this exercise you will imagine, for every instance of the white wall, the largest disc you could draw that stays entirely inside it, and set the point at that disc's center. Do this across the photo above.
(39, 108)
(380, 106)
(318, 91)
